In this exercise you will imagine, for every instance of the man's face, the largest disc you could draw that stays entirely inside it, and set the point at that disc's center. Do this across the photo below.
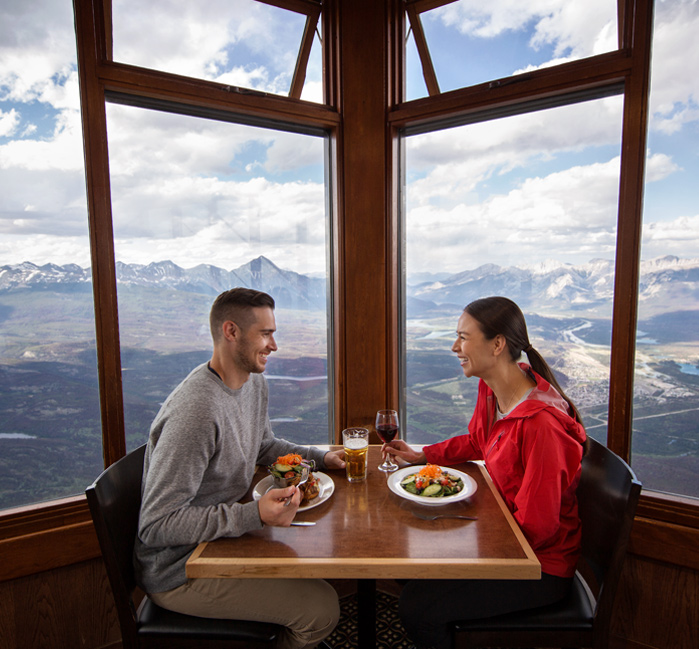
(256, 342)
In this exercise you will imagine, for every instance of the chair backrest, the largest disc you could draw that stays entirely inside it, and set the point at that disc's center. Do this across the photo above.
(115, 502)
(607, 497)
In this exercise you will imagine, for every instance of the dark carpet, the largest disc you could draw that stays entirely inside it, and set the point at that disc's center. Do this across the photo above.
(389, 631)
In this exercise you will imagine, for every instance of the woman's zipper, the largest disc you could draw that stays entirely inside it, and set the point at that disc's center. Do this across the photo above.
(494, 443)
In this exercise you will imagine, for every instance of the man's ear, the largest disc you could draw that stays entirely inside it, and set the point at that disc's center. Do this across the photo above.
(231, 331)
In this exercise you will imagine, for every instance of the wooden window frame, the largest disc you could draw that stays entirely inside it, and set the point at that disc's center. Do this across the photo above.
(360, 59)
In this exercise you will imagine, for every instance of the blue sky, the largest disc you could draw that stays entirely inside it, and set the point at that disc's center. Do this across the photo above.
(503, 174)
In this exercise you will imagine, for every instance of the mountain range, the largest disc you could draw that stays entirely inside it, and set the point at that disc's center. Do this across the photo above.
(289, 289)
(666, 284)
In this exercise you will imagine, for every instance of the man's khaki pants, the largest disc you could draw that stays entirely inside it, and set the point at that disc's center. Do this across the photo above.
(308, 608)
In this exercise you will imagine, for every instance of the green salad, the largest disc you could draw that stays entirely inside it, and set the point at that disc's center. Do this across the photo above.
(431, 481)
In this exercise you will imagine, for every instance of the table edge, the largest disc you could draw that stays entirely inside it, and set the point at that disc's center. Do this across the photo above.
(349, 568)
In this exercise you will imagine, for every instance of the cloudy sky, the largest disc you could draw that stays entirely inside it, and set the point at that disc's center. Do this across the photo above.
(523, 189)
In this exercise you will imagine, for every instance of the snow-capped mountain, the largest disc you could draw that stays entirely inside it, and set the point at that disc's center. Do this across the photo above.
(289, 289)
(666, 283)
(669, 283)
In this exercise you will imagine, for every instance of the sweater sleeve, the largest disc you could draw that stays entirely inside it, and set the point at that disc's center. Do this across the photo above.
(174, 510)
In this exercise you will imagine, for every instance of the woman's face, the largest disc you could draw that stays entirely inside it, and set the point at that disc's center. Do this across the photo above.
(475, 353)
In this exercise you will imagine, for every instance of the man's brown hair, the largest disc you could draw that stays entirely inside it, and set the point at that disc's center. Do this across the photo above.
(236, 304)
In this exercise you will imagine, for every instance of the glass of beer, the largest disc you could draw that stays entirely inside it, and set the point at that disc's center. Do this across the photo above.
(356, 443)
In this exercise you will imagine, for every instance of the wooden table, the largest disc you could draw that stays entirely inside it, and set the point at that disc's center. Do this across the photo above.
(366, 532)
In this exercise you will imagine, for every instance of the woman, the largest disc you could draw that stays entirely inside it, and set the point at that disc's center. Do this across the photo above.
(531, 438)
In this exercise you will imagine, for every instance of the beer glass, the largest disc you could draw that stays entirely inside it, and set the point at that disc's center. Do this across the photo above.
(356, 444)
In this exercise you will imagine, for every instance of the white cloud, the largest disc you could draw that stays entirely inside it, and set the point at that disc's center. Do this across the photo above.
(199, 190)
(659, 166)
(674, 84)
(289, 152)
(458, 162)
(35, 55)
(677, 237)
(242, 43)
(575, 28)
(63, 152)
(8, 122)
(569, 215)
(44, 248)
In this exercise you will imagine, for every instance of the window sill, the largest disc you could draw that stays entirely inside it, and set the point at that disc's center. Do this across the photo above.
(47, 536)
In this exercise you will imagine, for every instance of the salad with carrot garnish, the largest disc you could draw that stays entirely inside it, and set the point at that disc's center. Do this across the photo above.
(288, 470)
(433, 482)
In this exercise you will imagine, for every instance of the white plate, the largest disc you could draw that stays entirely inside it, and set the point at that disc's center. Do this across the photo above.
(395, 478)
(325, 485)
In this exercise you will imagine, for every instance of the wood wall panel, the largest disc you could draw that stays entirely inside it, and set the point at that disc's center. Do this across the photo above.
(657, 606)
(70, 608)
(66, 608)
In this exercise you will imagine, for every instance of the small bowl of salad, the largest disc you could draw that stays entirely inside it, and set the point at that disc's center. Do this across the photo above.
(289, 469)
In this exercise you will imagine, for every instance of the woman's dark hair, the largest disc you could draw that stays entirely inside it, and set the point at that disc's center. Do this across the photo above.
(236, 304)
(500, 315)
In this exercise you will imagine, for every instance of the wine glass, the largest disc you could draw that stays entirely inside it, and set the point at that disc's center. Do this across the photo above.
(387, 428)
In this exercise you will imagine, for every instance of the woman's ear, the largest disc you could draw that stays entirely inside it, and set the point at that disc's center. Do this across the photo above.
(499, 344)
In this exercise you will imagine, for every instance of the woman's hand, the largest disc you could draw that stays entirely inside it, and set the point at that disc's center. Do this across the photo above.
(400, 450)
(273, 509)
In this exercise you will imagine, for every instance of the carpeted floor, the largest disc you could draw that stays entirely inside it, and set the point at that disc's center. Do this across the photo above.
(389, 631)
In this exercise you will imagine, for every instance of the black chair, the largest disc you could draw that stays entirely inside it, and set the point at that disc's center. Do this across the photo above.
(607, 497)
(115, 500)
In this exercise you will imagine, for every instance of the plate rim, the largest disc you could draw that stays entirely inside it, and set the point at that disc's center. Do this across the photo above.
(394, 486)
(327, 485)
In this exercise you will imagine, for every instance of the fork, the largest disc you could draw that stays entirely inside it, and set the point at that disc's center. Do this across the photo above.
(434, 517)
(304, 480)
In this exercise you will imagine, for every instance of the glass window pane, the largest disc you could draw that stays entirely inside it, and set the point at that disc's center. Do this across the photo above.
(471, 41)
(666, 387)
(524, 207)
(199, 207)
(244, 43)
(50, 430)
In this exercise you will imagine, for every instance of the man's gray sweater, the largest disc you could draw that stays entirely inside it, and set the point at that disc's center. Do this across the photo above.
(202, 451)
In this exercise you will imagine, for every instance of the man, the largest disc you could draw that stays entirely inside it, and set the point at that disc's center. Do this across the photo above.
(200, 460)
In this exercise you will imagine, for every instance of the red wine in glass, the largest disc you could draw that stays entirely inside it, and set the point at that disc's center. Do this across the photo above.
(387, 427)
(387, 432)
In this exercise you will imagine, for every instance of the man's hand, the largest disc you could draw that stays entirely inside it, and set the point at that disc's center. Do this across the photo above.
(272, 506)
(335, 459)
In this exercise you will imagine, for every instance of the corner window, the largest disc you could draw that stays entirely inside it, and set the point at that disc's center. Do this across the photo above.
(201, 206)
(524, 207)
(246, 44)
(466, 42)
(665, 451)
(50, 429)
